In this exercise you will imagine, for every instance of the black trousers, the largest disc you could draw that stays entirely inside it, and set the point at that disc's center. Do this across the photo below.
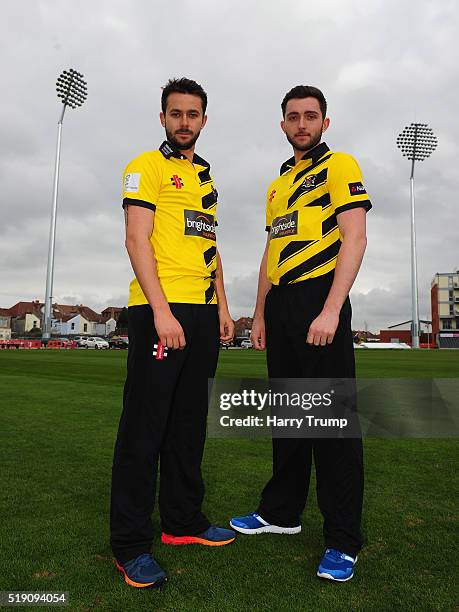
(164, 418)
(289, 311)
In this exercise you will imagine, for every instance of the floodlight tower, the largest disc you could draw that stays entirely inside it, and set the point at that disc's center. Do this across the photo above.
(416, 142)
(71, 88)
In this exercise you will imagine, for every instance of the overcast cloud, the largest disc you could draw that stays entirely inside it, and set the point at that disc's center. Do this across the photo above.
(381, 65)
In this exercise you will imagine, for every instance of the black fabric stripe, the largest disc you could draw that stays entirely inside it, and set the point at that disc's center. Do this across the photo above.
(141, 203)
(209, 200)
(329, 224)
(209, 255)
(307, 170)
(321, 177)
(310, 264)
(268, 228)
(204, 175)
(210, 292)
(366, 204)
(323, 200)
(287, 165)
(293, 248)
(197, 159)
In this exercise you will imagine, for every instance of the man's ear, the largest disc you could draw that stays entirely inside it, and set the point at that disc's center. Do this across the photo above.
(162, 118)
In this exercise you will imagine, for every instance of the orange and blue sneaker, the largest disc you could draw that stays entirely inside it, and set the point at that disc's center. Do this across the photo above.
(213, 536)
(142, 572)
(336, 565)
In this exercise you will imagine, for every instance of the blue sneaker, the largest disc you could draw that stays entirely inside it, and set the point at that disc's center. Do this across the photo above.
(253, 523)
(142, 572)
(213, 536)
(335, 565)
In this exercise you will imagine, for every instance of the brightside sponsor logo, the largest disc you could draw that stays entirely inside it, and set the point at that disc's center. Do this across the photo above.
(199, 224)
(287, 225)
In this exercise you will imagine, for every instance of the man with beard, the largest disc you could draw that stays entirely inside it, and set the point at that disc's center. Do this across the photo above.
(315, 216)
(177, 315)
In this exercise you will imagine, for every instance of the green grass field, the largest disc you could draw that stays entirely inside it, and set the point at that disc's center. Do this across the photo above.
(60, 413)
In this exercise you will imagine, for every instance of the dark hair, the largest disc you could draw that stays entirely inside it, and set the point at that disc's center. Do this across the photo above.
(306, 91)
(185, 86)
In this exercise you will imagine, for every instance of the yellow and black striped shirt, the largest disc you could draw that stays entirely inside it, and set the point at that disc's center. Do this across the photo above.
(301, 210)
(184, 199)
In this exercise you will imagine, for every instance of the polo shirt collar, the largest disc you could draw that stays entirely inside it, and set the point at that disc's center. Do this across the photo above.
(168, 150)
(313, 154)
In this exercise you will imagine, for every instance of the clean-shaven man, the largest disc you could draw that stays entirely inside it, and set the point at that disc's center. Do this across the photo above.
(303, 318)
(177, 316)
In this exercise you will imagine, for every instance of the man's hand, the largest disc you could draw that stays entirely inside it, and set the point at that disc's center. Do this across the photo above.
(258, 334)
(169, 330)
(322, 329)
(226, 326)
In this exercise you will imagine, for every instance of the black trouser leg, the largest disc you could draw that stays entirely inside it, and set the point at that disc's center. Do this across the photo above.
(284, 496)
(149, 400)
(181, 484)
(339, 471)
(289, 312)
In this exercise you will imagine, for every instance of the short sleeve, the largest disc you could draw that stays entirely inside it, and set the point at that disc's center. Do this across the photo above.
(345, 184)
(141, 182)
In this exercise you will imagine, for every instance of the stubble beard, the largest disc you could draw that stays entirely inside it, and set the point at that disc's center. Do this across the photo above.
(314, 141)
(182, 146)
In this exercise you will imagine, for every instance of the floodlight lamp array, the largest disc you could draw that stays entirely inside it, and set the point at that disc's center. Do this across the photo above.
(417, 141)
(71, 88)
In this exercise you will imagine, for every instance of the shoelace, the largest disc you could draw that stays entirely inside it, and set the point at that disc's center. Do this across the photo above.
(141, 561)
(335, 555)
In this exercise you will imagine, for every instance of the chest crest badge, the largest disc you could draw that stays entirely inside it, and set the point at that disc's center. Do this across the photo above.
(309, 181)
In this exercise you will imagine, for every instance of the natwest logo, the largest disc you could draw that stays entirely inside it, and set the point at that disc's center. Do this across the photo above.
(199, 224)
(285, 226)
(356, 188)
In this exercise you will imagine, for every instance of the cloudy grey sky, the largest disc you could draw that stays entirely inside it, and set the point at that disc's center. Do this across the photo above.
(381, 64)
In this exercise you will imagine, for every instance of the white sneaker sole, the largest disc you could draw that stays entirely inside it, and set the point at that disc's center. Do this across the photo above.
(267, 529)
(329, 577)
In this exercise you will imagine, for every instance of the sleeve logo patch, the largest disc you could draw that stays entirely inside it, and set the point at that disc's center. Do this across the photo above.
(132, 182)
(356, 189)
(285, 226)
(199, 224)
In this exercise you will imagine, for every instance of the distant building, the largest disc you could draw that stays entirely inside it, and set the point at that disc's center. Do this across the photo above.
(67, 319)
(77, 320)
(242, 329)
(71, 325)
(5, 324)
(403, 336)
(112, 312)
(25, 316)
(444, 295)
(110, 326)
